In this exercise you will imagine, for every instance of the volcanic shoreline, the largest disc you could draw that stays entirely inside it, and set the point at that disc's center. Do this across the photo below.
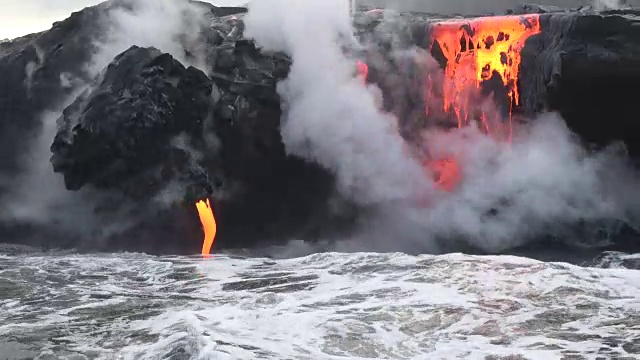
(139, 141)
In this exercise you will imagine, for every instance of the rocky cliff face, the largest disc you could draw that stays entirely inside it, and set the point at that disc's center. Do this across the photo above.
(152, 134)
(584, 66)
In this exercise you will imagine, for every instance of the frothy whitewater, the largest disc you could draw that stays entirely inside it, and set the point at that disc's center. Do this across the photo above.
(323, 306)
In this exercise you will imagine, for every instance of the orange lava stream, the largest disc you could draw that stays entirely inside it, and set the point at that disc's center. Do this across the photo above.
(445, 172)
(474, 49)
(208, 225)
(362, 69)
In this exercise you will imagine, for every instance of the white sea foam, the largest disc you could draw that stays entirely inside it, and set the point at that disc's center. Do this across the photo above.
(323, 306)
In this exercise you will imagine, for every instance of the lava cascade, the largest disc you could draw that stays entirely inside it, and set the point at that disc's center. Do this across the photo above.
(209, 225)
(475, 50)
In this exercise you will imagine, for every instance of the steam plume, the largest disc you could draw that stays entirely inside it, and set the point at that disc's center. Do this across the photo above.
(331, 117)
(169, 25)
(542, 182)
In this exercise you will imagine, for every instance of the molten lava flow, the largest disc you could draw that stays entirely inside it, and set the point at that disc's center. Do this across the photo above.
(445, 172)
(208, 225)
(362, 69)
(474, 50)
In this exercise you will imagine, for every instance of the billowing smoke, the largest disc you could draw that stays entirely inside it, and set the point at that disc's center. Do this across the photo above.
(169, 25)
(471, 7)
(607, 4)
(38, 195)
(331, 118)
(538, 184)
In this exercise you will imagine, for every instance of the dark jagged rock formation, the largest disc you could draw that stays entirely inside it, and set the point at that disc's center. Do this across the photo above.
(138, 127)
(118, 135)
(587, 67)
(148, 124)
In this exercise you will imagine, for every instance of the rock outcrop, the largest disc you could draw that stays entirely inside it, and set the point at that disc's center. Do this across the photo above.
(586, 66)
(119, 134)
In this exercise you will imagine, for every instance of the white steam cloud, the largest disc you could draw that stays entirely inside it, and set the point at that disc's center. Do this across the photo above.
(475, 7)
(542, 181)
(331, 117)
(167, 25)
(607, 4)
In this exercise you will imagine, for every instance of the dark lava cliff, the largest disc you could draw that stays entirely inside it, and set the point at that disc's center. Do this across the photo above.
(149, 134)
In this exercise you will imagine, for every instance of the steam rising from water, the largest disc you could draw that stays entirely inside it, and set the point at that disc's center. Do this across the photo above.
(543, 181)
(331, 118)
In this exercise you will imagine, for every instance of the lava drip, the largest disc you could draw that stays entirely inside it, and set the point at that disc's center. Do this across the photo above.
(362, 70)
(209, 226)
(479, 51)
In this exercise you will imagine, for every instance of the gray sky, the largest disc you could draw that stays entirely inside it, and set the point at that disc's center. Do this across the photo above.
(21, 17)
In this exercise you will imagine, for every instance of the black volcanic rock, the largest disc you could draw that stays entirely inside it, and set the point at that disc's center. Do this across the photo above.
(118, 135)
(586, 66)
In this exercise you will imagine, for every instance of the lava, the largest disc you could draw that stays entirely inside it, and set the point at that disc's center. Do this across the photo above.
(209, 226)
(362, 69)
(475, 50)
(445, 173)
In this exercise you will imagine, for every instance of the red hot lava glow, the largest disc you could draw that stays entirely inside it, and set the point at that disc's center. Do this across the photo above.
(475, 49)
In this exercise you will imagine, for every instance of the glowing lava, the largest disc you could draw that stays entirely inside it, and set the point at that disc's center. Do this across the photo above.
(474, 50)
(362, 69)
(445, 172)
(208, 225)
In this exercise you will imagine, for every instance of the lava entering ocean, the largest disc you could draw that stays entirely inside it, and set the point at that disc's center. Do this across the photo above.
(476, 51)
(209, 225)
